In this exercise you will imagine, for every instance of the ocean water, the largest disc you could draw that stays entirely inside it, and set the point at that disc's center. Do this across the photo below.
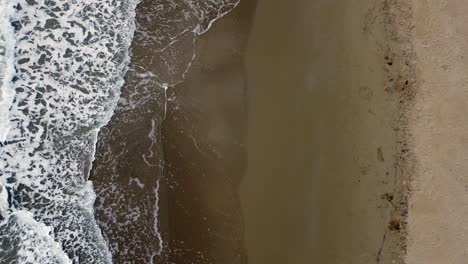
(62, 72)
(65, 73)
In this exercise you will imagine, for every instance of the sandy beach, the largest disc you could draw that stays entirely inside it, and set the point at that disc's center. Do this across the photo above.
(312, 132)
(364, 158)
(439, 203)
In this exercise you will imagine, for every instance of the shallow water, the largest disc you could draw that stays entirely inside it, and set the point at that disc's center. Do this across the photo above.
(130, 174)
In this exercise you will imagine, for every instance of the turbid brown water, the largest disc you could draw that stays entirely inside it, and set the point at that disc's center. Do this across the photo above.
(204, 146)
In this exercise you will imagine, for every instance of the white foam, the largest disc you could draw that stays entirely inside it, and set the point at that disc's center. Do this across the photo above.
(156, 216)
(221, 12)
(70, 59)
(4, 206)
(27, 241)
(6, 65)
(154, 140)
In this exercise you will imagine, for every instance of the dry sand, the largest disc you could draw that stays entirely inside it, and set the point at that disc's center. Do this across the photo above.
(438, 212)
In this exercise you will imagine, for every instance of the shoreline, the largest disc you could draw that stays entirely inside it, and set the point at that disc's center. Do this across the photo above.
(321, 136)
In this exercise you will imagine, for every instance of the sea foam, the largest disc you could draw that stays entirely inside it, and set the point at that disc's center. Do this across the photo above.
(24, 240)
(6, 65)
(62, 67)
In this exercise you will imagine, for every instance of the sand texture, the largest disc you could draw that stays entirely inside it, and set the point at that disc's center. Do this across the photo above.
(438, 209)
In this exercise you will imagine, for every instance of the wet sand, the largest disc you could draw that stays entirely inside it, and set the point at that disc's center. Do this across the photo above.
(322, 184)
